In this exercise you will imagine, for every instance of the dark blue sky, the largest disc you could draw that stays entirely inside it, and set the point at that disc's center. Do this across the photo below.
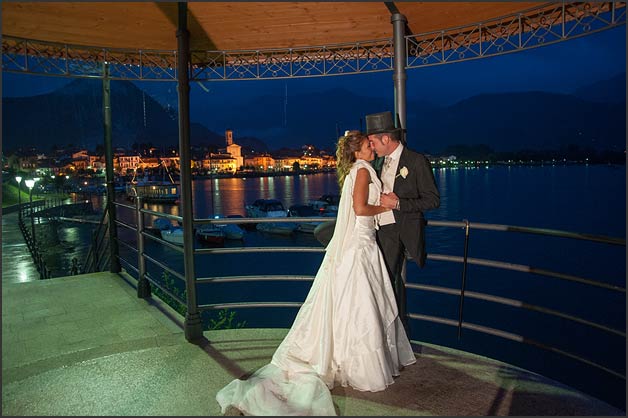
(561, 68)
(558, 68)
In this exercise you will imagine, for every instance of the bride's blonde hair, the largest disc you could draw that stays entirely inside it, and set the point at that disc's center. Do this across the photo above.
(346, 148)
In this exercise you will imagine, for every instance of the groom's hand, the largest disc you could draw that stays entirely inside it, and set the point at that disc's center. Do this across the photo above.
(389, 200)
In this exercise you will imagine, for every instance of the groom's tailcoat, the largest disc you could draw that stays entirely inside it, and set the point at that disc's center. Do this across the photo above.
(417, 192)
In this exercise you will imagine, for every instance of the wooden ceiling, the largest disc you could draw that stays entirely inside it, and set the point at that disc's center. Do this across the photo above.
(235, 25)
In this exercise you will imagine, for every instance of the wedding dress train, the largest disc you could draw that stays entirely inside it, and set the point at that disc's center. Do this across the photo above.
(347, 332)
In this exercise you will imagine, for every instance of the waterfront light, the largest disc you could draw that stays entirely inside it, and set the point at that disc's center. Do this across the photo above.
(19, 196)
(30, 183)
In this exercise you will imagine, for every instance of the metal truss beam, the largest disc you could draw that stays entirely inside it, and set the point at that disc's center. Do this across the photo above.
(544, 25)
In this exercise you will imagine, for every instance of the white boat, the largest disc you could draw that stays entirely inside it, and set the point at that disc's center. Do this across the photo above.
(305, 211)
(173, 235)
(266, 208)
(270, 208)
(326, 205)
(211, 234)
(231, 231)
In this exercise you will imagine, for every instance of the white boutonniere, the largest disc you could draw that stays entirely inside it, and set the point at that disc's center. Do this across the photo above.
(403, 172)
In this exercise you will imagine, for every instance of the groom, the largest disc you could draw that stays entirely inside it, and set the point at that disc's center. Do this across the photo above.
(408, 188)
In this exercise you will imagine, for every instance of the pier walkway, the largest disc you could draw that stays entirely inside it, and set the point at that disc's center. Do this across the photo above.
(86, 345)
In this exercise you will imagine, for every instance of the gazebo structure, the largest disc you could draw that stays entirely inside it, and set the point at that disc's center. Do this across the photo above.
(220, 41)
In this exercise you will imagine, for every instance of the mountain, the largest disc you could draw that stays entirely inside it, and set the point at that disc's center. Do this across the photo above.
(612, 90)
(505, 121)
(73, 114)
(515, 121)
(309, 118)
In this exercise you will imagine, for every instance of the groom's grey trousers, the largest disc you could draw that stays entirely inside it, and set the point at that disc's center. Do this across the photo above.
(394, 256)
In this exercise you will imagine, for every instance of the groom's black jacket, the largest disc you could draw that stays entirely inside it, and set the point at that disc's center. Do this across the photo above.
(417, 192)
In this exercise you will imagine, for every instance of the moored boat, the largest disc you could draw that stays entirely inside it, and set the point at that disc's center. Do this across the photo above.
(326, 205)
(173, 235)
(270, 208)
(153, 191)
(211, 234)
(231, 231)
(305, 211)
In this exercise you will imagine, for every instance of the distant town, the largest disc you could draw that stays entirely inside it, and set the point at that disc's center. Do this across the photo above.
(145, 160)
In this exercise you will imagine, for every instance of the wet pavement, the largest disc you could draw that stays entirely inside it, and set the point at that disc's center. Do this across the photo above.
(17, 263)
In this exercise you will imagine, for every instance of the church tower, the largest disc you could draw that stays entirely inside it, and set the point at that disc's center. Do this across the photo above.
(234, 149)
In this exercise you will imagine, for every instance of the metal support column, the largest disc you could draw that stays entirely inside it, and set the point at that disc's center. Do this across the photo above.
(193, 327)
(464, 276)
(114, 261)
(143, 285)
(399, 22)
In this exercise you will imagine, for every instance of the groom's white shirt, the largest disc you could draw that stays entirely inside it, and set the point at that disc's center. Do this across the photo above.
(388, 182)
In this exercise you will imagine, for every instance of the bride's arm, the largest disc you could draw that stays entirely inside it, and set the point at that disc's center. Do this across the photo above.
(361, 196)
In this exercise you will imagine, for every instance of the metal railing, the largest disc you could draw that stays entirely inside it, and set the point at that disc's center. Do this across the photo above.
(30, 210)
(98, 256)
(461, 293)
(572, 323)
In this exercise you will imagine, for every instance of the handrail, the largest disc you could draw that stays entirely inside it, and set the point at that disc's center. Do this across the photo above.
(515, 303)
(259, 250)
(163, 215)
(500, 300)
(230, 279)
(513, 337)
(91, 260)
(536, 231)
(238, 305)
(525, 269)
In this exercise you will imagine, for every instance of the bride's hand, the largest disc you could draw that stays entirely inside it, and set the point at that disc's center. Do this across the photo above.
(389, 200)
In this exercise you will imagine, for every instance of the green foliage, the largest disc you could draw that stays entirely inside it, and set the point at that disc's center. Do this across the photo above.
(10, 194)
(225, 320)
(169, 283)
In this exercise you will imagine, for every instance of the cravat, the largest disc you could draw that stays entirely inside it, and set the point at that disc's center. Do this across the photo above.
(387, 161)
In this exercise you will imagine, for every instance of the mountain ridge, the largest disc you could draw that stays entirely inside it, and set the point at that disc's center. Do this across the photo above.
(503, 121)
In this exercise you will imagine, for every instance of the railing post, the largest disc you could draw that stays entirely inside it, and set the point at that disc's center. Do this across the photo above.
(114, 262)
(95, 247)
(143, 285)
(464, 276)
(399, 22)
(193, 328)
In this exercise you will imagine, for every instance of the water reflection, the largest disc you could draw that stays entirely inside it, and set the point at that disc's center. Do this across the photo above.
(230, 195)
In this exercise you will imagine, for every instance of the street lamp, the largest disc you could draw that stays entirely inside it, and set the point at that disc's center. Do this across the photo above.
(36, 179)
(30, 183)
(19, 196)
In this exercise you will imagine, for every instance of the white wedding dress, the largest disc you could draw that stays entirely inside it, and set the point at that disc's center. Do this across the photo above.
(347, 331)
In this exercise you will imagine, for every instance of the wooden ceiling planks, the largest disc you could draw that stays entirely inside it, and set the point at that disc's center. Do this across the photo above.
(234, 25)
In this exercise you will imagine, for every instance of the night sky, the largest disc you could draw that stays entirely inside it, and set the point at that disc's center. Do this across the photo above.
(559, 68)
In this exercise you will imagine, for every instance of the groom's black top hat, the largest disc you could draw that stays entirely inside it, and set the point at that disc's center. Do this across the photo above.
(379, 123)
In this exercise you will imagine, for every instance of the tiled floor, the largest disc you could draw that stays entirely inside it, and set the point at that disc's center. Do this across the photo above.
(86, 345)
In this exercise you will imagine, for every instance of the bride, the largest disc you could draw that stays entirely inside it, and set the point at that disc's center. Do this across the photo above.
(347, 332)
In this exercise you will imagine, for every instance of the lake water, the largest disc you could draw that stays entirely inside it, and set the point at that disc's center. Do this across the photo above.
(583, 199)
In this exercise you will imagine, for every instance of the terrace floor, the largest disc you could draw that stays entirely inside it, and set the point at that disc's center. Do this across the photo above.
(86, 345)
